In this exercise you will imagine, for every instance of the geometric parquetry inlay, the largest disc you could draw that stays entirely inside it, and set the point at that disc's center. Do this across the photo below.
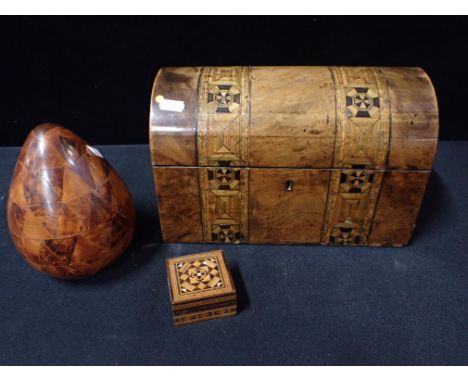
(225, 233)
(224, 211)
(201, 287)
(361, 150)
(223, 116)
(362, 103)
(346, 233)
(198, 275)
(70, 212)
(355, 181)
(222, 137)
(223, 98)
(224, 178)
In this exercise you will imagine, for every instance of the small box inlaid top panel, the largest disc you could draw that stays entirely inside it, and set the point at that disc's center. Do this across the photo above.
(198, 277)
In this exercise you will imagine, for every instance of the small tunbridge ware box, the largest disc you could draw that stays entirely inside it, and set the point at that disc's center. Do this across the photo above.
(292, 155)
(201, 287)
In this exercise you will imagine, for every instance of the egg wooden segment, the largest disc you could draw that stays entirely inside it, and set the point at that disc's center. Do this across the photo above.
(69, 212)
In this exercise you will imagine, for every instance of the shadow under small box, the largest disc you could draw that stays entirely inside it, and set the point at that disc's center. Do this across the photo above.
(201, 287)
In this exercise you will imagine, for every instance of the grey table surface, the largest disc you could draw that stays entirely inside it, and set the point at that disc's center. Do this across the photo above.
(299, 305)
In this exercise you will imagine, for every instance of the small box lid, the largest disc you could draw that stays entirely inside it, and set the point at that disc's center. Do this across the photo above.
(201, 277)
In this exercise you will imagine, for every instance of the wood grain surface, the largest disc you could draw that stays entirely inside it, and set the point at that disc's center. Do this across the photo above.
(179, 204)
(69, 213)
(288, 217)
(335, 134)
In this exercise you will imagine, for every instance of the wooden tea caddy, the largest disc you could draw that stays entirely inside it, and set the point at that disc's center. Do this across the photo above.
(292, 155)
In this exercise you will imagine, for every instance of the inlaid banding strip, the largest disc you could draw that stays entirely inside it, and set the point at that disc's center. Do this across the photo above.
(222, 136)
(361, 146)
(223, 120)
(224, 192)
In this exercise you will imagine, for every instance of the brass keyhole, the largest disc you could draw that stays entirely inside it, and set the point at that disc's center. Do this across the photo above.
(289, 185)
